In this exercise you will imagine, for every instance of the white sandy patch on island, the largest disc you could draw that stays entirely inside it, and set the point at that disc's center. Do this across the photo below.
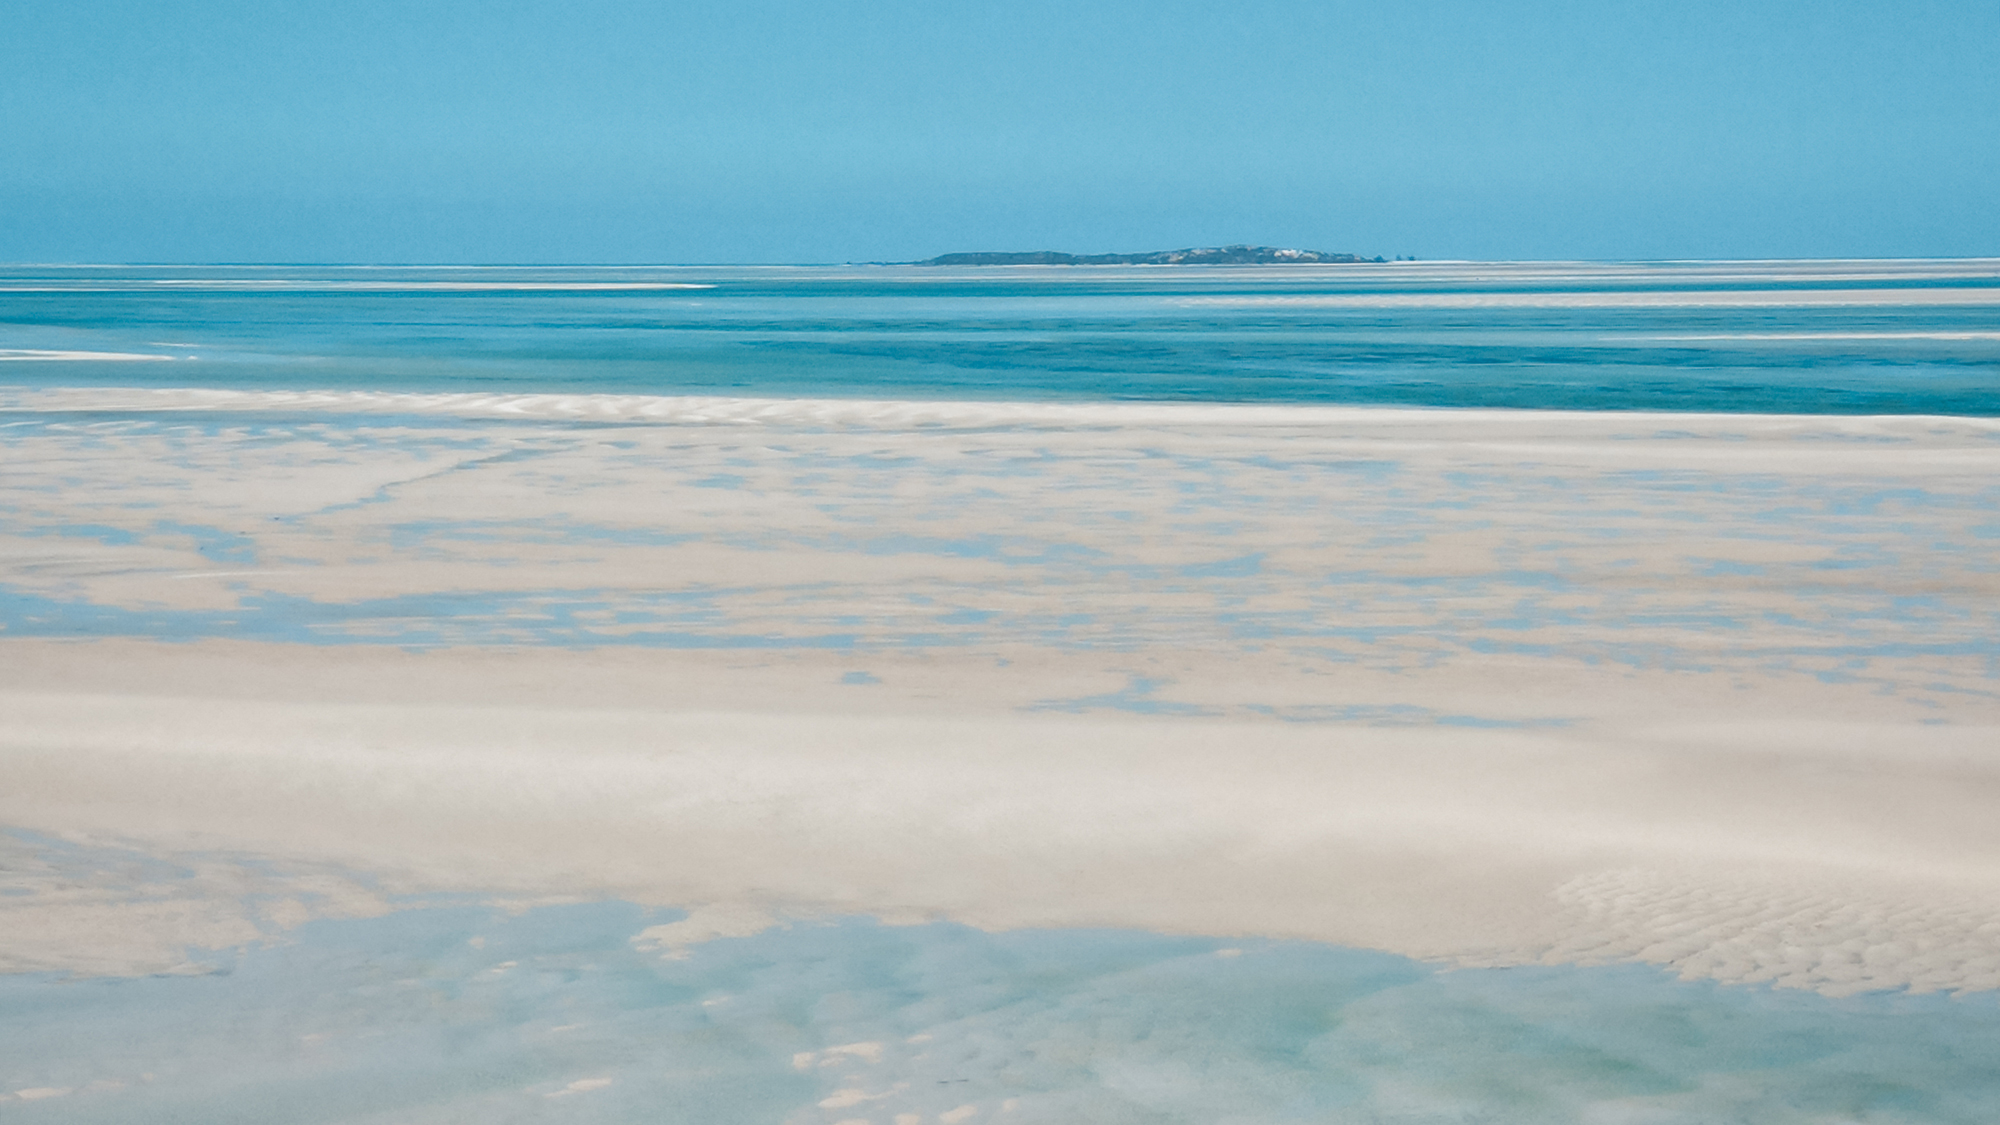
(673, 939)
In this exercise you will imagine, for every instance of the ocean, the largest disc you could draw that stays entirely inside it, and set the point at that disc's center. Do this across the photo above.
(1818, 337)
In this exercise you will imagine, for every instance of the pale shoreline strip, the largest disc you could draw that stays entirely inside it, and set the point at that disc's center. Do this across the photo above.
(261, 285)
(1635, 299)
(42, 355)
(888, 413)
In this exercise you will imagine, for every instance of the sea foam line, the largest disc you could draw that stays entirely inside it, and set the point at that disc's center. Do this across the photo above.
(38, 355)
(1713, 336)
(262, 285)
(1718, 298)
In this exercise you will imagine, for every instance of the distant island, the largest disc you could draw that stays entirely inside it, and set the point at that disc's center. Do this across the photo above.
(1206, 256)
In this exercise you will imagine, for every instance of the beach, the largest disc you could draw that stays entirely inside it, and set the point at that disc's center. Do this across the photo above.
(1707, 692)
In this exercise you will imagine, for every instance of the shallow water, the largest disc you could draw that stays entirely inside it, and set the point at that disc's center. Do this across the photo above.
(448, 1011)
(1802, 337)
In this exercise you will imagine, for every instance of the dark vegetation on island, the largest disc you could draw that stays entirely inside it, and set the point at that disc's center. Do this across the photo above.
(1207, 256)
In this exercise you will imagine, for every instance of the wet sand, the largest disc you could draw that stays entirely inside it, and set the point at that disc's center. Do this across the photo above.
(1711, 692)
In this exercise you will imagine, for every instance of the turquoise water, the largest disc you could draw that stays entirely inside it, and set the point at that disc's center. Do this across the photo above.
(1870, 337)
(446, 1012)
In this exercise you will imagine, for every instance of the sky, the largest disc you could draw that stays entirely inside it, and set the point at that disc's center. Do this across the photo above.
(768, 131)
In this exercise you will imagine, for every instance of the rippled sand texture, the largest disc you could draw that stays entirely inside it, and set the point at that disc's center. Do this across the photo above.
(1714, 692)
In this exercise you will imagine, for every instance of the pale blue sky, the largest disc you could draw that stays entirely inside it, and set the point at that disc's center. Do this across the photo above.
(594, 131)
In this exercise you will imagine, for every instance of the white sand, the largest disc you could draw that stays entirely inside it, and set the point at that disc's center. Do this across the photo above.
(47, 356)
(1819, 855)
(1213, 422)
(1678, 298)
(1795, 785)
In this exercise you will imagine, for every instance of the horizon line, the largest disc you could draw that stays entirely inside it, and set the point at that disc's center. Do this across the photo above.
(1995, 257)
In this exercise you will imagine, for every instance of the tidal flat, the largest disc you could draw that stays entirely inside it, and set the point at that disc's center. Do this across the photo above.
(401, 756)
